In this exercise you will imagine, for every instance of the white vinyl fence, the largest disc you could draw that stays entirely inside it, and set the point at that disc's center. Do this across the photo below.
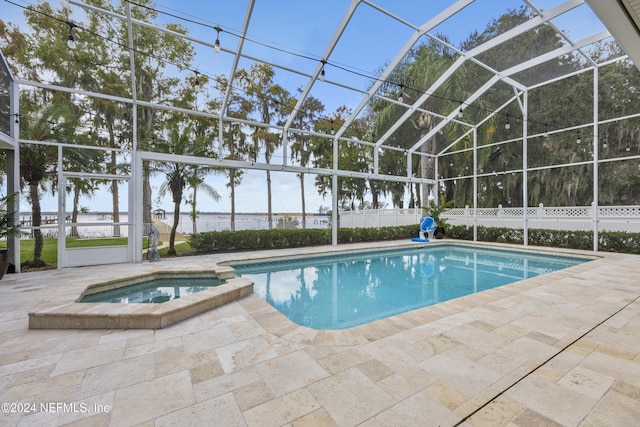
(572, 218)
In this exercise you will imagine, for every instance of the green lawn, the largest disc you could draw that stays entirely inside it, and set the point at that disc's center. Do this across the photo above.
(50, 247)
(181, 248)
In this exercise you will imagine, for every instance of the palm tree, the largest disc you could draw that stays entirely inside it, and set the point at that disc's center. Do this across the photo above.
(423, 65)
(38, 165)
(196, 182)
(180, 141)
(175, 183)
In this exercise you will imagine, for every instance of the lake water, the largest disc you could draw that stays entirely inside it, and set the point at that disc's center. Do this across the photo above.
(222, 221)
(208, 221)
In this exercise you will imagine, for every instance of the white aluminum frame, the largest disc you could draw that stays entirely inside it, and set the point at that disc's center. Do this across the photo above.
(506, 76)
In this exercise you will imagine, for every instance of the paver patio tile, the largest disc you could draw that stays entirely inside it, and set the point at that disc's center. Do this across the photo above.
(222, 411)
(245, 363)
(282, 410)
(350, 398)
(152, 399)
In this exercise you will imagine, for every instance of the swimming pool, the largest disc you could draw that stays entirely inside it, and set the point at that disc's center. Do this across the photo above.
(346, 290)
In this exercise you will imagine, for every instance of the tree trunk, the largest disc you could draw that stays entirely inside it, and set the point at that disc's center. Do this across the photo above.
(375, 203)
(194, 228)
(424, 172)
(116, 208)
(176, 221)
(74, 213)
(36, 221)
(412, 201)
(114, 184)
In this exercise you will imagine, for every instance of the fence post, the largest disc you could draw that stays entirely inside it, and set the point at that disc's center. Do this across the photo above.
(500, 212)
(466, 216)
(594, 216)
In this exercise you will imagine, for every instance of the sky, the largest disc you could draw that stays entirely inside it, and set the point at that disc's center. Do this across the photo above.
(305, 28)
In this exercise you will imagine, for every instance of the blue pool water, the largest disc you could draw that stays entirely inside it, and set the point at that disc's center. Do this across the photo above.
(154, 291)
(341, 291)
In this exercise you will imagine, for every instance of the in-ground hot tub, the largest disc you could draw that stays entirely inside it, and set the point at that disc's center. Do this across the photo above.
(105, 315)
(157, 290)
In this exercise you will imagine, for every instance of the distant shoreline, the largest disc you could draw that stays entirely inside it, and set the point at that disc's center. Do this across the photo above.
(184, 213)
(102, 223)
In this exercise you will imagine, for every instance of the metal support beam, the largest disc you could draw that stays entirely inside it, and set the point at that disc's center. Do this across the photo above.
(232, 72)
(335, 189)
(454, 113)
(320, 67)
(137, 178)
(475, 184)
(525, 160)
(135, 212)
(13, 169)
(511, 71)
(520, 29)
(62, 209)
(428, 26)
(596, 156)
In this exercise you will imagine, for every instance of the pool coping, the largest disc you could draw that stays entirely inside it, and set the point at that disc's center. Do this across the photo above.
(83, 315)
(279, 325)
(538, 331)
(65, 312)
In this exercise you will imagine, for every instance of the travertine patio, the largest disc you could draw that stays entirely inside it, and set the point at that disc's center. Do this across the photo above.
(561, 349)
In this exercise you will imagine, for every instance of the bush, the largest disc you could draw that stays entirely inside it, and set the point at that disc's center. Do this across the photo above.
(225, 241)
(619, 241)
(608, 241)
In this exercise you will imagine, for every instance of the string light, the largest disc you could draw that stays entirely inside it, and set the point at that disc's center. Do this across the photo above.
(401, 97)
(605, 144)
(72, 44)
(322, 73)
(507, 125)
(71, 41)
(578, 139)
(216, 45)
